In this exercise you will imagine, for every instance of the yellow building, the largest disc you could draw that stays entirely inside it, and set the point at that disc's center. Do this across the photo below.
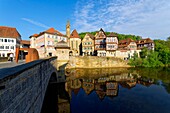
(75, 42)
(62, 50)
(88, 45)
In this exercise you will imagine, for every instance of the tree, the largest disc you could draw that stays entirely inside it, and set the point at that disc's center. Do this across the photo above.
(154, 60)
(144, 52)
(164, 55)
(168, 39)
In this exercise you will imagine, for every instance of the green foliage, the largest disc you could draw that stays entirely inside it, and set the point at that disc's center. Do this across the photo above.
(151, 60)
(144, 53)
(120, 36)
(158, 58)
(168, 39)
(123, 36)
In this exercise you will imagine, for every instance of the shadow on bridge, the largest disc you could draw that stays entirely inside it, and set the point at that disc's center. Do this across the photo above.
(56, 98)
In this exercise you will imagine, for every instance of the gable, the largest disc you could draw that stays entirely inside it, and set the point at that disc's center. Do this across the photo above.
(100, 34)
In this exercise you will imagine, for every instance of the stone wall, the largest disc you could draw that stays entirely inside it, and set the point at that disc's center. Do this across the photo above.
(22, 88)
(95, 62)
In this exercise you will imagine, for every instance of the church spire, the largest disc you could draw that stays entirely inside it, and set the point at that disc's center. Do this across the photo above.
(68, 29)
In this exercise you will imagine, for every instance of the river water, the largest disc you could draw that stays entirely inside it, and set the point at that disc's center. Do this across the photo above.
(118, 90)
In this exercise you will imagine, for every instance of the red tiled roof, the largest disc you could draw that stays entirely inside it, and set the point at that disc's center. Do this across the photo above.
(124, 43)
(34, 35)
(9, 32)
(53, 31)
(91, 36)
(74, 34)
(147, 40)
(25, 42)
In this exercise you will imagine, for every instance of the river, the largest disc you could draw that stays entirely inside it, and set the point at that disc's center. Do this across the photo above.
(118, 90)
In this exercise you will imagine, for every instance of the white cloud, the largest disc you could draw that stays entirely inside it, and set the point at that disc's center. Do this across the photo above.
(146, 18)
(35, 23)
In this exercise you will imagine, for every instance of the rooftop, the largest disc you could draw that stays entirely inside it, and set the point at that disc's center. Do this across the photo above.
(74, 34)
(9, 32)
(27, 42)
(62, 44)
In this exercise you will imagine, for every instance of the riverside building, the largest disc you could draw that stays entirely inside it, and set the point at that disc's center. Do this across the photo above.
(9, 40)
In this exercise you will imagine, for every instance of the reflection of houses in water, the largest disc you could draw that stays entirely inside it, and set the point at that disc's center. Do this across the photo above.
(102, 79)
(100, 88)
(111, 88)
(121, 77)
(88, 85)
(103, 86)
(73, 85)
(128, 84)
(131, 83)
(145, 81)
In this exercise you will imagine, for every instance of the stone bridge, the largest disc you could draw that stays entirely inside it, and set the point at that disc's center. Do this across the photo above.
(22, 88)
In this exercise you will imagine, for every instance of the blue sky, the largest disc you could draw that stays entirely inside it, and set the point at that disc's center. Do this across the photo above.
(146, 18)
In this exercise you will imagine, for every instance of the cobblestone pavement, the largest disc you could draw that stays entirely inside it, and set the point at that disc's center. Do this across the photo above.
(10, 64)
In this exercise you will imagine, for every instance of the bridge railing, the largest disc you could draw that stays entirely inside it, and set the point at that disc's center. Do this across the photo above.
(22, 88)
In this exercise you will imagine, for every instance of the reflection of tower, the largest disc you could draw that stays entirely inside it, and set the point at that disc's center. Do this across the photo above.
(100, 89)
(88, 85)
(68, 29)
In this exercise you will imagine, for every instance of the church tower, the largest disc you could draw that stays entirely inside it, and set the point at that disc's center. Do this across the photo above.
(68, 29)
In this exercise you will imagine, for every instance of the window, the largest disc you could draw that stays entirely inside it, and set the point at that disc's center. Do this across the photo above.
(1, 40)
(71, 44)
(76, 44)
(7, 47)
(1, 47)
(12, 47)
(5, 40)
(48, 43)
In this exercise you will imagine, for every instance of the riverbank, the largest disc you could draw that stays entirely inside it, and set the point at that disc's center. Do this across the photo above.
(95, 62)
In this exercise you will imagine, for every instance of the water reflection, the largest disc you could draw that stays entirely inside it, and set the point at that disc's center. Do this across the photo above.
(120, 90)
(105, 85)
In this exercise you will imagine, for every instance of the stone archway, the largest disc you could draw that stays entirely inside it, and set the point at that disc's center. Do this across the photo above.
(50, 98)
(53, 78)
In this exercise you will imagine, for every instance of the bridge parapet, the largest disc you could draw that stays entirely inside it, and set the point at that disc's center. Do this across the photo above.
(22, 88)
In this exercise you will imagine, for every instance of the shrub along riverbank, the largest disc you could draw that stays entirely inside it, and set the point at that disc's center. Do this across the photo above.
(160, 57)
